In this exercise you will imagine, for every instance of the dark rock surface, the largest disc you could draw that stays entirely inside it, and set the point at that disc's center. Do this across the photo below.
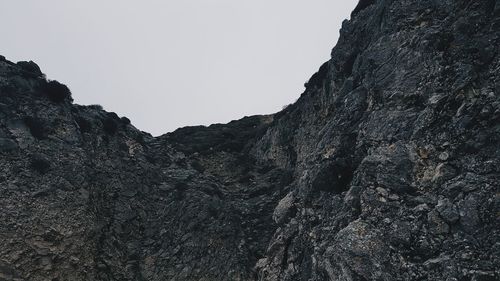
(386, 168)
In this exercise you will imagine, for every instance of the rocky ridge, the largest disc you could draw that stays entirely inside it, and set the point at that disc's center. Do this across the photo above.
(386, 168)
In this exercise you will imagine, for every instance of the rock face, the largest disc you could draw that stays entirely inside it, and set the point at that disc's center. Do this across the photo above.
(386, 168)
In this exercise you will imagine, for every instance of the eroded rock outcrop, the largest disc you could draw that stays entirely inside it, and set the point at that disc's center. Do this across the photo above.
(386, 168)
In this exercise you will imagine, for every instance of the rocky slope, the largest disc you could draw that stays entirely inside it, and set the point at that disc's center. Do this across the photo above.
(386, 168)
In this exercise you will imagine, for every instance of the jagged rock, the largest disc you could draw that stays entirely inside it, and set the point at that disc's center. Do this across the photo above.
(386, 168)
(284, 209)
(448, 211)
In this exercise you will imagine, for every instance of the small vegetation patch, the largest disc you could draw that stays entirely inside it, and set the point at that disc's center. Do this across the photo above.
(31, 68)
(56, 91)
(125, 120)
(84, 125)
(110, 124)
(36, 127)
(40, 163)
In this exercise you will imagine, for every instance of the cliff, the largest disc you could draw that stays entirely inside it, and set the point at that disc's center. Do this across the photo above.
(386, 168)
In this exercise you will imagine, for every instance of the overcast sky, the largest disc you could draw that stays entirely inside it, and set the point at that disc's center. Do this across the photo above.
(167, 64)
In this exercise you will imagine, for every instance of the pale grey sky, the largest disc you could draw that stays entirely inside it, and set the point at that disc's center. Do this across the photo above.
(167, 64)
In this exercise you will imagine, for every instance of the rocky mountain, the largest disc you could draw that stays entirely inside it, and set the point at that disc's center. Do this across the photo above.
(386, 168)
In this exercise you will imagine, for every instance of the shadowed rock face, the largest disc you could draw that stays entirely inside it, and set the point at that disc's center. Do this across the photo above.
(362, 4)
(386, 168)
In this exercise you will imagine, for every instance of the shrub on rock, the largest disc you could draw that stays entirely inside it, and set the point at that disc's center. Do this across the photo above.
(56, 91)
(125, 120)
(83, 124)
(36, 127)
(30, 67)
(40, 163)
(110, 123)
